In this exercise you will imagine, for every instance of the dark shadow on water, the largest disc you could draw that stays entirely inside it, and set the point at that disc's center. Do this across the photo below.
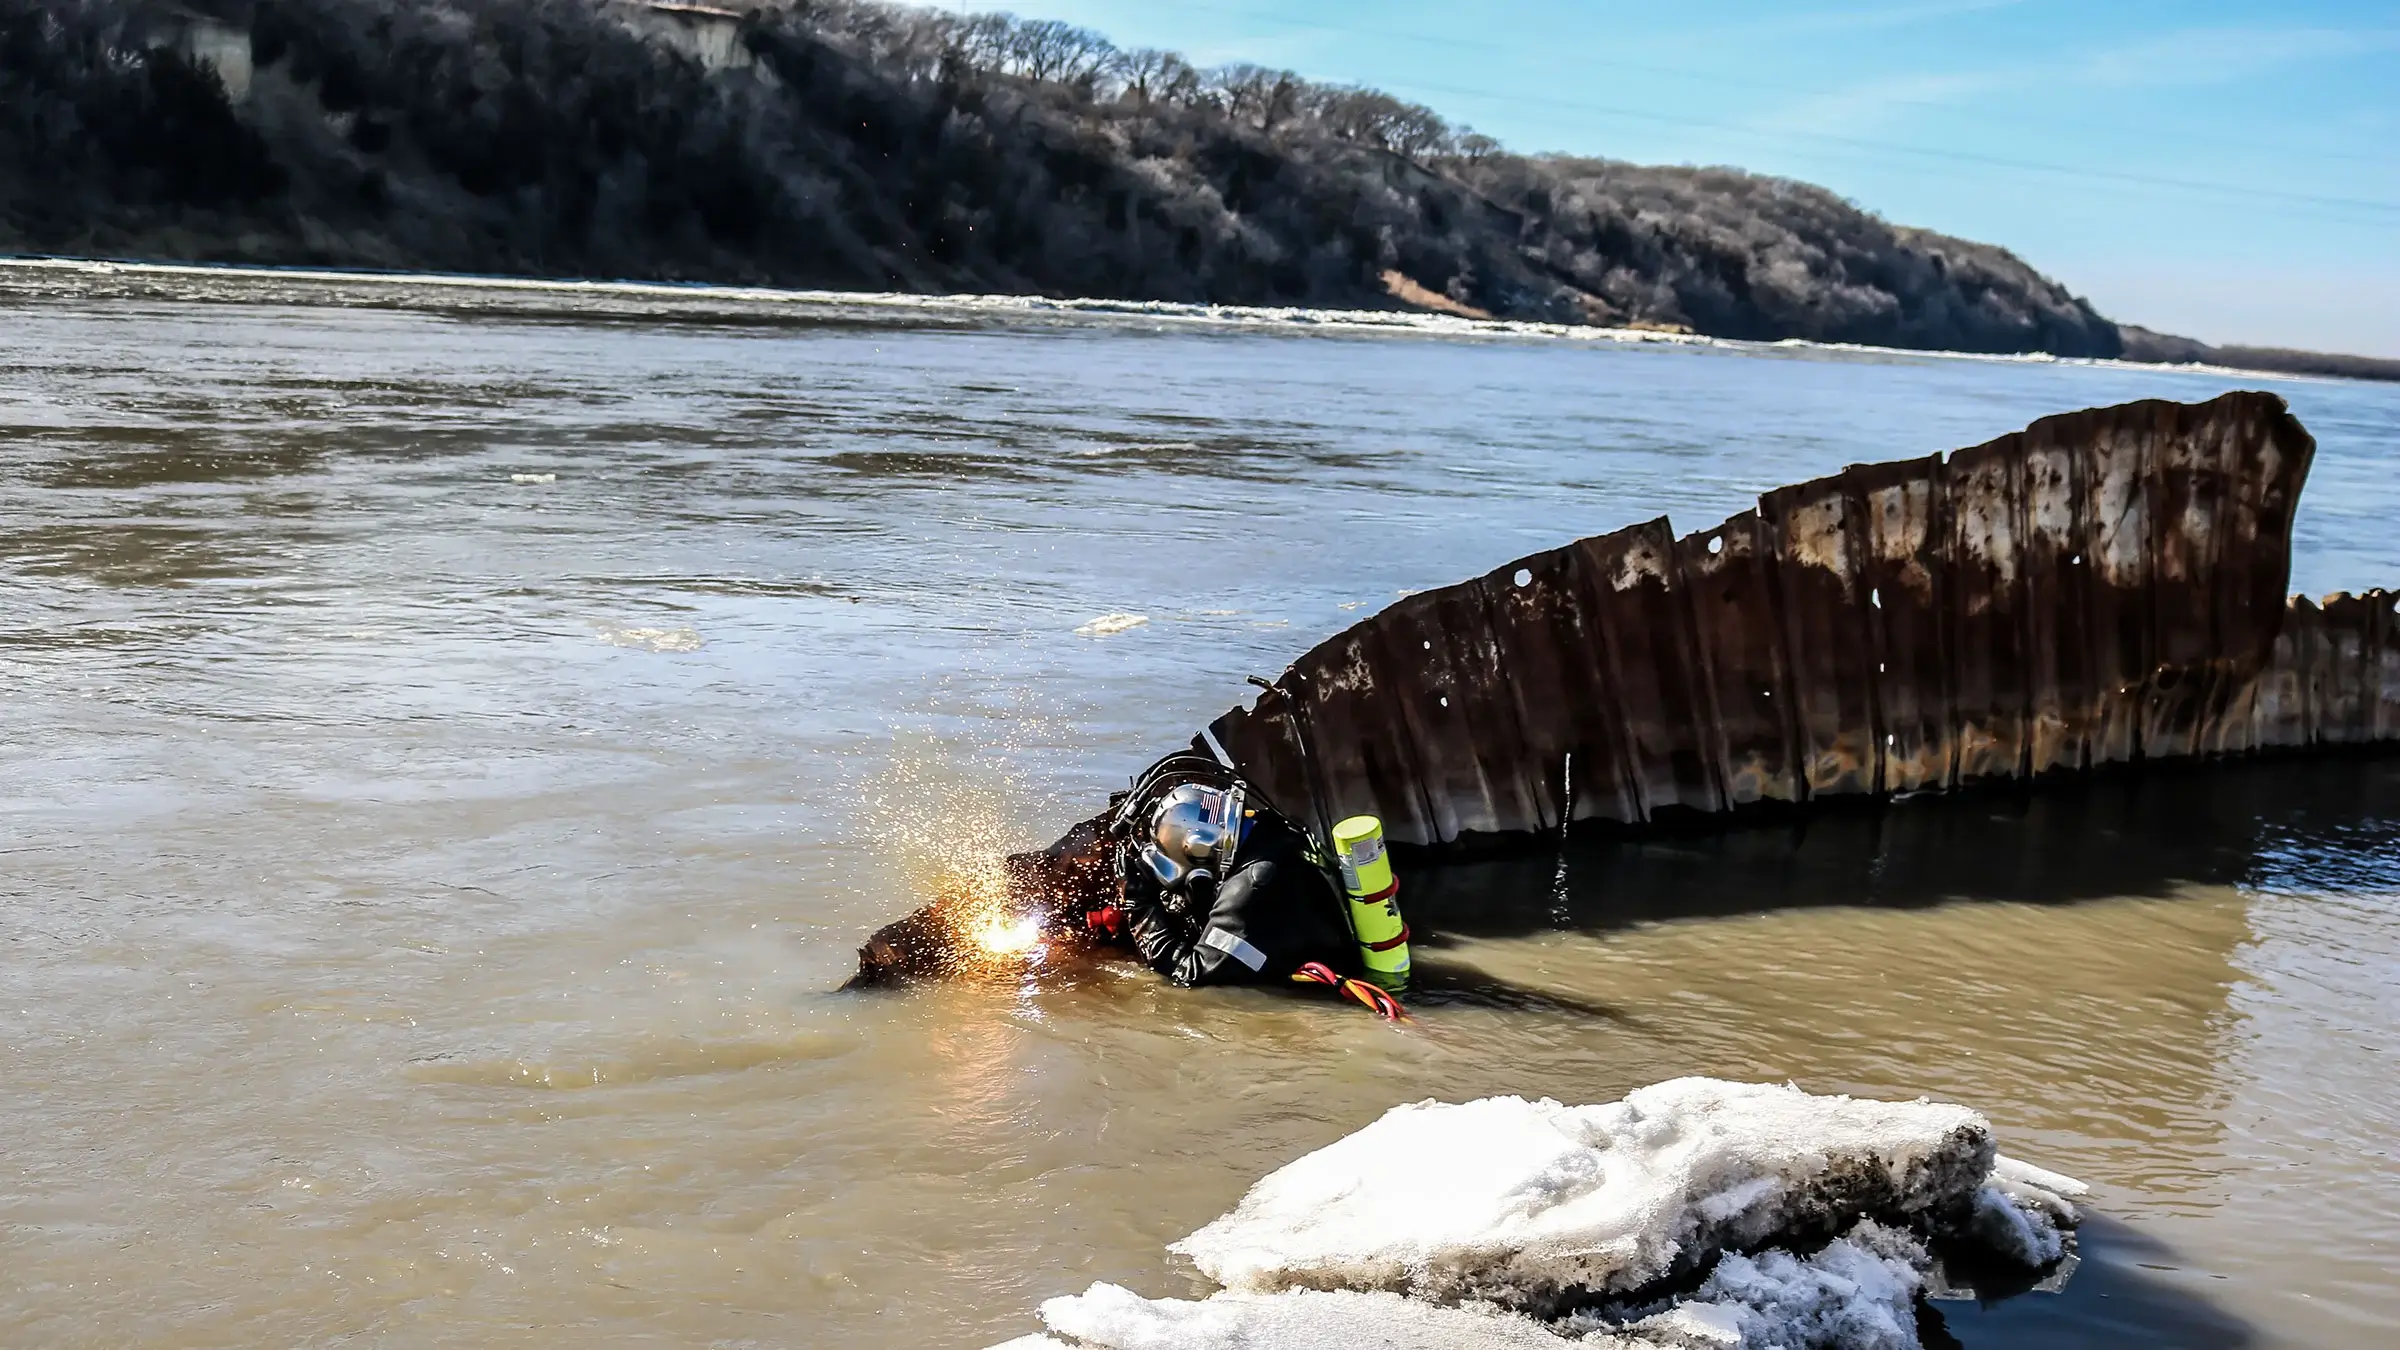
(2128, 1291)
(1440, 984)
(2331, 820)
(2323, 823)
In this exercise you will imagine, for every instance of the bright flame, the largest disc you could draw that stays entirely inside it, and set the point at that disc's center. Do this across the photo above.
(997, 936)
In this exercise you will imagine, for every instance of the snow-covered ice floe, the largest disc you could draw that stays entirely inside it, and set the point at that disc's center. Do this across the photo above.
(1693, 1215)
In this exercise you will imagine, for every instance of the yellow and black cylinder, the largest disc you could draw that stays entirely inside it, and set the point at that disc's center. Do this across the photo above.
(1374, 900)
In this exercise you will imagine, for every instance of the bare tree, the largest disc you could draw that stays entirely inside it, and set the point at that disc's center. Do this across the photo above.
(984, 41)
(1145, 73)
(1352, 113)
(1372, 117)
(1057, 52)
(1474, 147)
(1252, 93)
(1180, 83)
(908, 41)
(1416, 131)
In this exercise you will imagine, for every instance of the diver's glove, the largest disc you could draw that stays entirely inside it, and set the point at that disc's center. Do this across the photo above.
(1167, 925)
(1196, 898)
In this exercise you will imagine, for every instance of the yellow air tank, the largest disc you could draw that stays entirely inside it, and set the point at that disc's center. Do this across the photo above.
(1374, 900)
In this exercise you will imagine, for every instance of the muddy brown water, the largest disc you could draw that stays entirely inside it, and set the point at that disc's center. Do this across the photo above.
(450, 751)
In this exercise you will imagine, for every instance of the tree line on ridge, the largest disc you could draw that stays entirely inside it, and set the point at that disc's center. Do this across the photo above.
(857, 145)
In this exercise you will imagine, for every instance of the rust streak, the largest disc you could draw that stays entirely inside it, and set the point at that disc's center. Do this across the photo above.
(2103, 587)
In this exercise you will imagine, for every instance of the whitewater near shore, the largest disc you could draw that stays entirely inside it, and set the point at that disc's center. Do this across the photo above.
(74, 278)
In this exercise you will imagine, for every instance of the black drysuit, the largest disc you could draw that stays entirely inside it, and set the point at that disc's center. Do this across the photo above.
(1277, 911)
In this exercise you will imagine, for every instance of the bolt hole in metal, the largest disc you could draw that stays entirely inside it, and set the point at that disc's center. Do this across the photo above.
(1429, 644)
(1445, 700)
(1717, 545)
(1875, 597)
(1524, 576)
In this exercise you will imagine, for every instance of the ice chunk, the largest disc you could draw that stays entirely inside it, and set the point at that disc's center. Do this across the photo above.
(2022, 1213)
(1106, 1317)
(1857, 1293)
(1697, 1326)
(653, 639)
(2011, 1230)
(1529, 1202)
(1692, 1215)
(2035, 1188)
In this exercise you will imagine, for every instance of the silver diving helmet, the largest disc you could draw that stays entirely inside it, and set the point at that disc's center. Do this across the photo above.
(1194, 831)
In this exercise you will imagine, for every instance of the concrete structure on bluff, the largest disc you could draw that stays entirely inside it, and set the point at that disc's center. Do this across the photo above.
(2102, 588)
(709, 34)
(205, 43)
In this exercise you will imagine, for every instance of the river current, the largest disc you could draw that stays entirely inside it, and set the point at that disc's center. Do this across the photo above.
(451, 749)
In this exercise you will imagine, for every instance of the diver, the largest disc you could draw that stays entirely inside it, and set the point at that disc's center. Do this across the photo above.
(1201, 877)
(1217, 887)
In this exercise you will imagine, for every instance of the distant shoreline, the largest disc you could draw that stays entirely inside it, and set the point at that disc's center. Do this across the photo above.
(919, 160)
(726, 300)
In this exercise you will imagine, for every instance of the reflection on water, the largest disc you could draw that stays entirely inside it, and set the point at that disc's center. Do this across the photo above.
(2125, 1291)
(422, 880)
(2156, 833)
(130, 553)
(148, 465)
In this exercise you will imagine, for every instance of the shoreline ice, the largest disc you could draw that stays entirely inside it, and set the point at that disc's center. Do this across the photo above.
(800, 303)
(1692, 1215)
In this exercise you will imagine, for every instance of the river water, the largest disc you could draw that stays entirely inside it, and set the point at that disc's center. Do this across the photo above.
(451, 750)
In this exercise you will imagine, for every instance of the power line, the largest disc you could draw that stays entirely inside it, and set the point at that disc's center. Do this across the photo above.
(1737, 82)
(1956, 156)
(2384, 212)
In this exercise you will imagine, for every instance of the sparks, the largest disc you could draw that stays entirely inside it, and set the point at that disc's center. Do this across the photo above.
(999, 937)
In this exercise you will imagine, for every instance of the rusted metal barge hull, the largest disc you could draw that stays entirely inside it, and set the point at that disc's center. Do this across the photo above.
(2103, 587)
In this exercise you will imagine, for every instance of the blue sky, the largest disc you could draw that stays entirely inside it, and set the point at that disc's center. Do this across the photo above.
(2225, 170)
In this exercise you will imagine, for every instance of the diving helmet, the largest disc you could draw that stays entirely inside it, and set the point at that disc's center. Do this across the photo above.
(1194, 830)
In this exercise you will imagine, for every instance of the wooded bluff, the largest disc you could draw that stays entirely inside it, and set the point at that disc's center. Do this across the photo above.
(852, 145)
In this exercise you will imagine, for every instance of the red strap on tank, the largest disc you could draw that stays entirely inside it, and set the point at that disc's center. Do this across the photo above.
(1400, 941)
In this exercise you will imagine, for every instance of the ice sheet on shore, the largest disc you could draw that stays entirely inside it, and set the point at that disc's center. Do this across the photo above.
(1106, 1317)
(1856, 1293)
(1523, 1202)
(1693, 1215)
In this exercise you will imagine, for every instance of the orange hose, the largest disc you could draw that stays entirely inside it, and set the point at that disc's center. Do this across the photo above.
(1373, 999)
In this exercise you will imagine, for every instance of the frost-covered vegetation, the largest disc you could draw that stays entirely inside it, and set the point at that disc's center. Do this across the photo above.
(843, 144)
(1694, 1213)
